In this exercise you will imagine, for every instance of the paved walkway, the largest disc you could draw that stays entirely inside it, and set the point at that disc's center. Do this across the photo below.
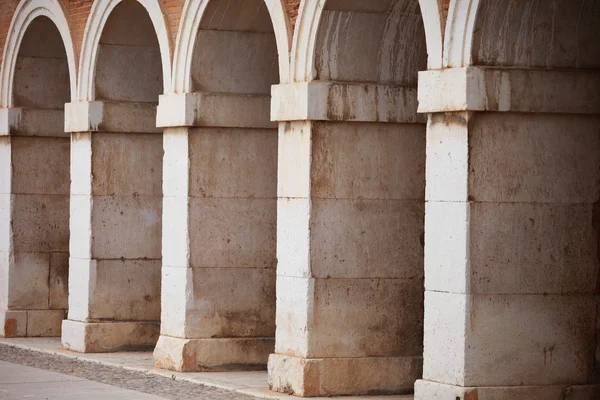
(19, 382)
(135, 371)
(26, 374)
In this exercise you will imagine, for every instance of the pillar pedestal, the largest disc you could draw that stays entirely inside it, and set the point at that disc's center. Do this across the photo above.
(215, 355)
(312, 377)
(109, 337)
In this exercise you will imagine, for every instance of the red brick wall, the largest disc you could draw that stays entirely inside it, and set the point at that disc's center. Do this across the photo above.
(292, 9)
(77, 15)
(7, 8)
(78, 12)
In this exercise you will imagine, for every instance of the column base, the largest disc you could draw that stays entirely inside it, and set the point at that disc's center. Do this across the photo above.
(31, 323)
(223, 354)
(309, 377)
(108, 337)
(427, 390)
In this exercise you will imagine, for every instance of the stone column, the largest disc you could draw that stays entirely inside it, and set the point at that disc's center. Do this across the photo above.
(34, 215)
(116, 201)
(349, 239)
(511, 233)
(218, 290)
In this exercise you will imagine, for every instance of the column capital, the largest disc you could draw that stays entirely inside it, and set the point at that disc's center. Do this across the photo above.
(9, 118)
(176, 110)
(83, 116)
(336, 101)
(496, 89)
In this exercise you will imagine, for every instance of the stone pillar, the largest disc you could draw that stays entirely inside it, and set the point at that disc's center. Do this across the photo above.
(218, 290)
(34, 215)
(349, 239)
(511, 257)
(116, 201)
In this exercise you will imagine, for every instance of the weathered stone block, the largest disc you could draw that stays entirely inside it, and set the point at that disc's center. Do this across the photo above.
(176, 162)
(294, 155)
(126, 290)
(254, 75)
(28, 281)
(371, 161)
(447, 230)
(126, 227)
(175, 232)
(82, 274)
(80, 226)
(5, 261)
(108, 337)
(542, 339)
(40, 122)
(176, 282)
(428, 390)
(541, 159)
(293, 237)
(233, 163)
(295, 315)
(40, 223)
(40, 165)
(366, 238)
(343, 376)
(231, 232)
(231, 302)
(532, 248)
(313, 314)
(81, 164)
(444, 338)
(128, 117)
(13, 323)
(125, 164)
(45, 323)
(135, 64)
(33, 73)
(447, 171)
(6, 165)
(375, 318)
(218, 354)
(59, 281)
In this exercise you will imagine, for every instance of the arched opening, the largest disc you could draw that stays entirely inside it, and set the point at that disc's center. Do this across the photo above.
(232, 196)
(38, 154)
(365, 165)
(127, 169)
(119, 178)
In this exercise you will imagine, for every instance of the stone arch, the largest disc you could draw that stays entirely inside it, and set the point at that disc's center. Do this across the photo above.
(99, 14)
(117, 151)
(525, 34)
(228, 56)
(24, 15)
(37, 78)
(307, 29)
(352, 196)
(192, 14)
(513, 140)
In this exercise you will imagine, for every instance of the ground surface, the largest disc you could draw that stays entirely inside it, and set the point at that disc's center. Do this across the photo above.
(34, 375)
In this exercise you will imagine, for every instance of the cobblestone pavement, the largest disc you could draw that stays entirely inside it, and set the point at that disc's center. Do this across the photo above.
(132, 380)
